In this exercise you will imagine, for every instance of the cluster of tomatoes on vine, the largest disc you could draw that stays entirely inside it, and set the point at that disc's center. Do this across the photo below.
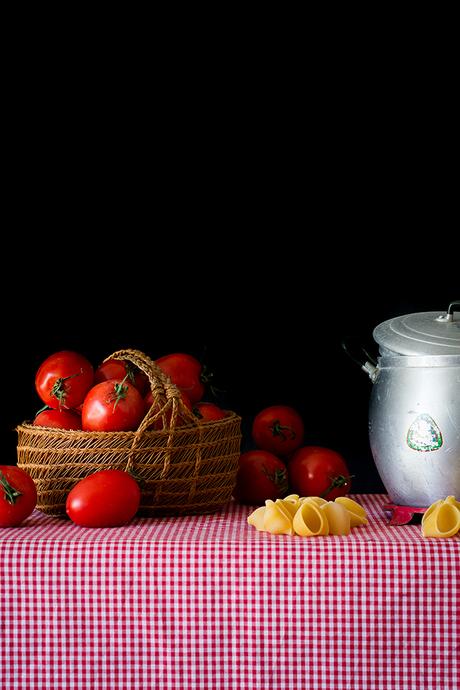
(281, 464)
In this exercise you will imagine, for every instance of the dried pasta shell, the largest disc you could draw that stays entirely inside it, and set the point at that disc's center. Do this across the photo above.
(453, 501)
(277, 518)
(313, 499)
(338, 518)
(442, 521)
(256, 519)
(450, 499)
(431, 509)
(292, 498)
(358, 514)
(291, 503)
(310, 521)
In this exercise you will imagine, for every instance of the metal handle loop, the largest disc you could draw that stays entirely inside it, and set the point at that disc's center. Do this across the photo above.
(448, 317)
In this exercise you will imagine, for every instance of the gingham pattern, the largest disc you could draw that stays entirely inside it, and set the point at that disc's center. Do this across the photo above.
(207, 602)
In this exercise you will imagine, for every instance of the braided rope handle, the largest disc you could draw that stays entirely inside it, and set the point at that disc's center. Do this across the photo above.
(166, 395)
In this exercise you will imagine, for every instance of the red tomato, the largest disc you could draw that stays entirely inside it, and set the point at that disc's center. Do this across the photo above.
(316, 471)
(261, 475)
(186, 372)
(112, 406)
(64, 379)
(207, 411)
(117, 369)
(108, 498)
(58, 419)
(278, 429)
(18, 495)
(158, 424)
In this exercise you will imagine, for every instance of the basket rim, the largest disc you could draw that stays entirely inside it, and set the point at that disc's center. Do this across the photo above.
(185, 428)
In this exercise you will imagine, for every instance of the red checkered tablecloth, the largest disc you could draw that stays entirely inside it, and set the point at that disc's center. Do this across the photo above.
(207, 602)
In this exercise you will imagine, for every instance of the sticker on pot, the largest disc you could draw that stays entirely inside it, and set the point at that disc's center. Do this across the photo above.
(424, 434)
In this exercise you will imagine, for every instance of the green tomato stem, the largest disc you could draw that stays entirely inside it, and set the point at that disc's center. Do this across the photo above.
(11, 494)
(277, 430)
(337, 483)
(119, 392)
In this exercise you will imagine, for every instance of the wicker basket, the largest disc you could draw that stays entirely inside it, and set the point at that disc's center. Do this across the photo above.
(181, 469)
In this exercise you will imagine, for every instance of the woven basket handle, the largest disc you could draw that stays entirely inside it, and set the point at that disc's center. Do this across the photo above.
(166, 395)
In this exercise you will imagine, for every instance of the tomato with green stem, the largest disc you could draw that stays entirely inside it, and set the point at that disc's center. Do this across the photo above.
(63, 379)
(317, 471)
(112, 406)
(18, 495)
(278, 429)
(261, 475)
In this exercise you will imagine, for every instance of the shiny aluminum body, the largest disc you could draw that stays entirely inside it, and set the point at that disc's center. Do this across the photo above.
(414, 426)
(414, 416)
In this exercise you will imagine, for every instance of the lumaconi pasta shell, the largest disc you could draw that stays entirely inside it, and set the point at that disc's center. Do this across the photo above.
(358, 514)
(277, 518)
(256, 519)
(338, 518)
(453, 501)
(313, 499)
(290, 505)
(442, 519)
(292, 498)
(310, 516)
(310, 521)
(431, 508)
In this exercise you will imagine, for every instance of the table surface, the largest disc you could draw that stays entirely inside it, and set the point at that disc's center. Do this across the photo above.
(208, 602)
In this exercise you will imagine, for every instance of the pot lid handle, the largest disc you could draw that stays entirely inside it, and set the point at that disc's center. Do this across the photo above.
(449, 316)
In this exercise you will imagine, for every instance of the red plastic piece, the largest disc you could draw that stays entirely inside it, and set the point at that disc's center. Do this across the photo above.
(401, 515)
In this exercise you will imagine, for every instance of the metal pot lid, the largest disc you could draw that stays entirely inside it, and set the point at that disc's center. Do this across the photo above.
(424, 333)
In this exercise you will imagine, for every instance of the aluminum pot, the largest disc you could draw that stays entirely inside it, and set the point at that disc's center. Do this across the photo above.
(414, 414)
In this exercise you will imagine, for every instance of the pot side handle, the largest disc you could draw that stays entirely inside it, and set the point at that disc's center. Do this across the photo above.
(361, 357)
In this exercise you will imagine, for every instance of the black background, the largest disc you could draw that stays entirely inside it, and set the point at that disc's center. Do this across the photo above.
(252, 222)
(266, 309)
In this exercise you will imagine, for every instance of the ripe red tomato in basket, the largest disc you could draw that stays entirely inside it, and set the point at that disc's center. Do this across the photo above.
(261, 475)
(158, 424)
(108, 498)
(207, 411)
(317, 471)
(117, 369)
(64, 379)
(58, 419)
(112, 406)
(278, 429)
(186, 372)
(18, 495)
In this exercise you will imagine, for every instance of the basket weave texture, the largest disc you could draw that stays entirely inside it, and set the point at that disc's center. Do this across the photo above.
(181, 469)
